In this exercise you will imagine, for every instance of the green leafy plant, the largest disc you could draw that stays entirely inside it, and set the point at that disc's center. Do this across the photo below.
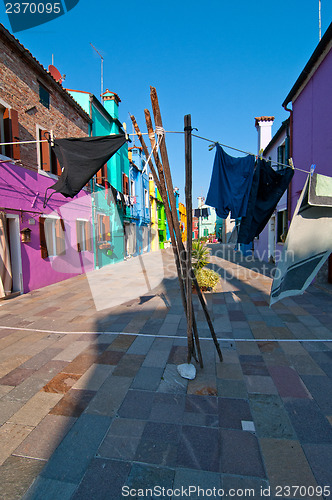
(207, 279)
(200, 255)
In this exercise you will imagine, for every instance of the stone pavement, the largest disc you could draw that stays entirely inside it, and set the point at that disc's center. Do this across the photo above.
(90, 400)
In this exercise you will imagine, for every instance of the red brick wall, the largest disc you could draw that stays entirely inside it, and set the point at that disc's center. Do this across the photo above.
(19, 89)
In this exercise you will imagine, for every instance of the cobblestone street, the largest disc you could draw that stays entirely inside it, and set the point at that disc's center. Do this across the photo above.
(91, 402)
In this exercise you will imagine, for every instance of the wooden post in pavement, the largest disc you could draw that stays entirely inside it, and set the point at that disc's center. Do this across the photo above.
(164, 158)
(163, 193)
(188, 191)
(171, 222)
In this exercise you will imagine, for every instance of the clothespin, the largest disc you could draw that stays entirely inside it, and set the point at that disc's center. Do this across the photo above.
(260, 154)
(291, 163)
(312, 169)
(212, 146)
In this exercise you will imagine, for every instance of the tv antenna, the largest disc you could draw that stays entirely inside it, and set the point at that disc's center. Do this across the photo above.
(102, 64)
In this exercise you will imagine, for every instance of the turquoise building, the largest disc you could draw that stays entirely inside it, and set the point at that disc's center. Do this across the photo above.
(137, 229)
(110, 186)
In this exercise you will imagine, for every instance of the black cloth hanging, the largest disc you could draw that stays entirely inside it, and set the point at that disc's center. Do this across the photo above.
(267, 188)
(81, 158)
(201, 212)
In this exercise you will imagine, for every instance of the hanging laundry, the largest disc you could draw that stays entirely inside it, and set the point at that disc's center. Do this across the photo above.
(112, 195)
(81, 158)
(309, 239)
(230, 184)
(201, 212)
(267, 188)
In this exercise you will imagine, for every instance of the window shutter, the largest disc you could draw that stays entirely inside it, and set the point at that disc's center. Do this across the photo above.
(8, 133)
(99, 177)
(107, 228)
(55, 164)
(279, 150)
(43, 245)
(104, 173)
(78, 235)
(88, 236)
(45, 159)
(15, 134)
(60, 237)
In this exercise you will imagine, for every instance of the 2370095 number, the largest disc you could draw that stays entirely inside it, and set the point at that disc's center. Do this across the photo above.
(302, 491)
(33, 8)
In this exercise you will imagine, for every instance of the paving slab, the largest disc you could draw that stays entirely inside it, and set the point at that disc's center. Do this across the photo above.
(17, 474)
(45, 437)
(285, 463)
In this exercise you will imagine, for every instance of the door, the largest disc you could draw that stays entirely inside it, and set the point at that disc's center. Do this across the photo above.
(14, 242)
(272, 238)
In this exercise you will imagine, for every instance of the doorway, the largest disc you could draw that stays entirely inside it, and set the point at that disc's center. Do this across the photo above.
(14, 243)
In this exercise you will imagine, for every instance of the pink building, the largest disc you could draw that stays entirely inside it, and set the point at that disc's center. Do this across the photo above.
(38, 246)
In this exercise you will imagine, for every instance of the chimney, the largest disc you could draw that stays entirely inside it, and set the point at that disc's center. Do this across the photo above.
(263, 125)
(111, 103)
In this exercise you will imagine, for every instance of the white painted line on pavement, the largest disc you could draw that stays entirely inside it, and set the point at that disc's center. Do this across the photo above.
(160, 336)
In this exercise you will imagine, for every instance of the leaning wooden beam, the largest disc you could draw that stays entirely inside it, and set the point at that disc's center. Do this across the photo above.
(163, 195)
(171, 223)
(164, 158)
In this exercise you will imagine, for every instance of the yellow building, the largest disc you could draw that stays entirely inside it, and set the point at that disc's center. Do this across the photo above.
(183, 221)
(153, 215)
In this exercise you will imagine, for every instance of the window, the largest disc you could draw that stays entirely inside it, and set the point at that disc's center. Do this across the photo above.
(282, 226)
(101, 176)
(44, 96)
(125, 184)
(48, 161)
(9, 132)
(146, 198)
(104, 228)
(52, 236)
(83, 235)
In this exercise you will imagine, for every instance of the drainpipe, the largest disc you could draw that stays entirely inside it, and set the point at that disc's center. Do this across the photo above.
(93, 197)
(289, 191)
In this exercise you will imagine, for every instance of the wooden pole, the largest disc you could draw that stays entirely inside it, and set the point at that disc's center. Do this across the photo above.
(163, 193)
(188, 192)
(164, 158)
(171, 223)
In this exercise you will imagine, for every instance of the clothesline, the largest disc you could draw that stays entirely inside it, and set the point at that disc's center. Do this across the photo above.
(251, 154)
(234, 149)
(180, 132)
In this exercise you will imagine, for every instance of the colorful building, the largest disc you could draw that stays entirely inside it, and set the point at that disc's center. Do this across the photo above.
(137, 232)
(154, 235)
(162, 226)
(206, 224)
(183, 221)
(110, 187)
(39, 246)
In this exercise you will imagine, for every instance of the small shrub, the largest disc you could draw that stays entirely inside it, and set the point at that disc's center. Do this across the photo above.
(200, 255)
(207, 279)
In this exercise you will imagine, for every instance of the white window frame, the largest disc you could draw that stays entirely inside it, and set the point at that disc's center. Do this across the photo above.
(83, 235)
(53, 234)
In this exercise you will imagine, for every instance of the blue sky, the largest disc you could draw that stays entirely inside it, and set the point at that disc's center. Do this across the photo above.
(222, 62)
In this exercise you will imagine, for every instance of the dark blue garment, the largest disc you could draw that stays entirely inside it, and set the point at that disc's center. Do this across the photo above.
(230, 184)
(267, 188)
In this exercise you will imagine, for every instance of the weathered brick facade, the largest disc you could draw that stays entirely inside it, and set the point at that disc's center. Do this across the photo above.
(20, 78)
